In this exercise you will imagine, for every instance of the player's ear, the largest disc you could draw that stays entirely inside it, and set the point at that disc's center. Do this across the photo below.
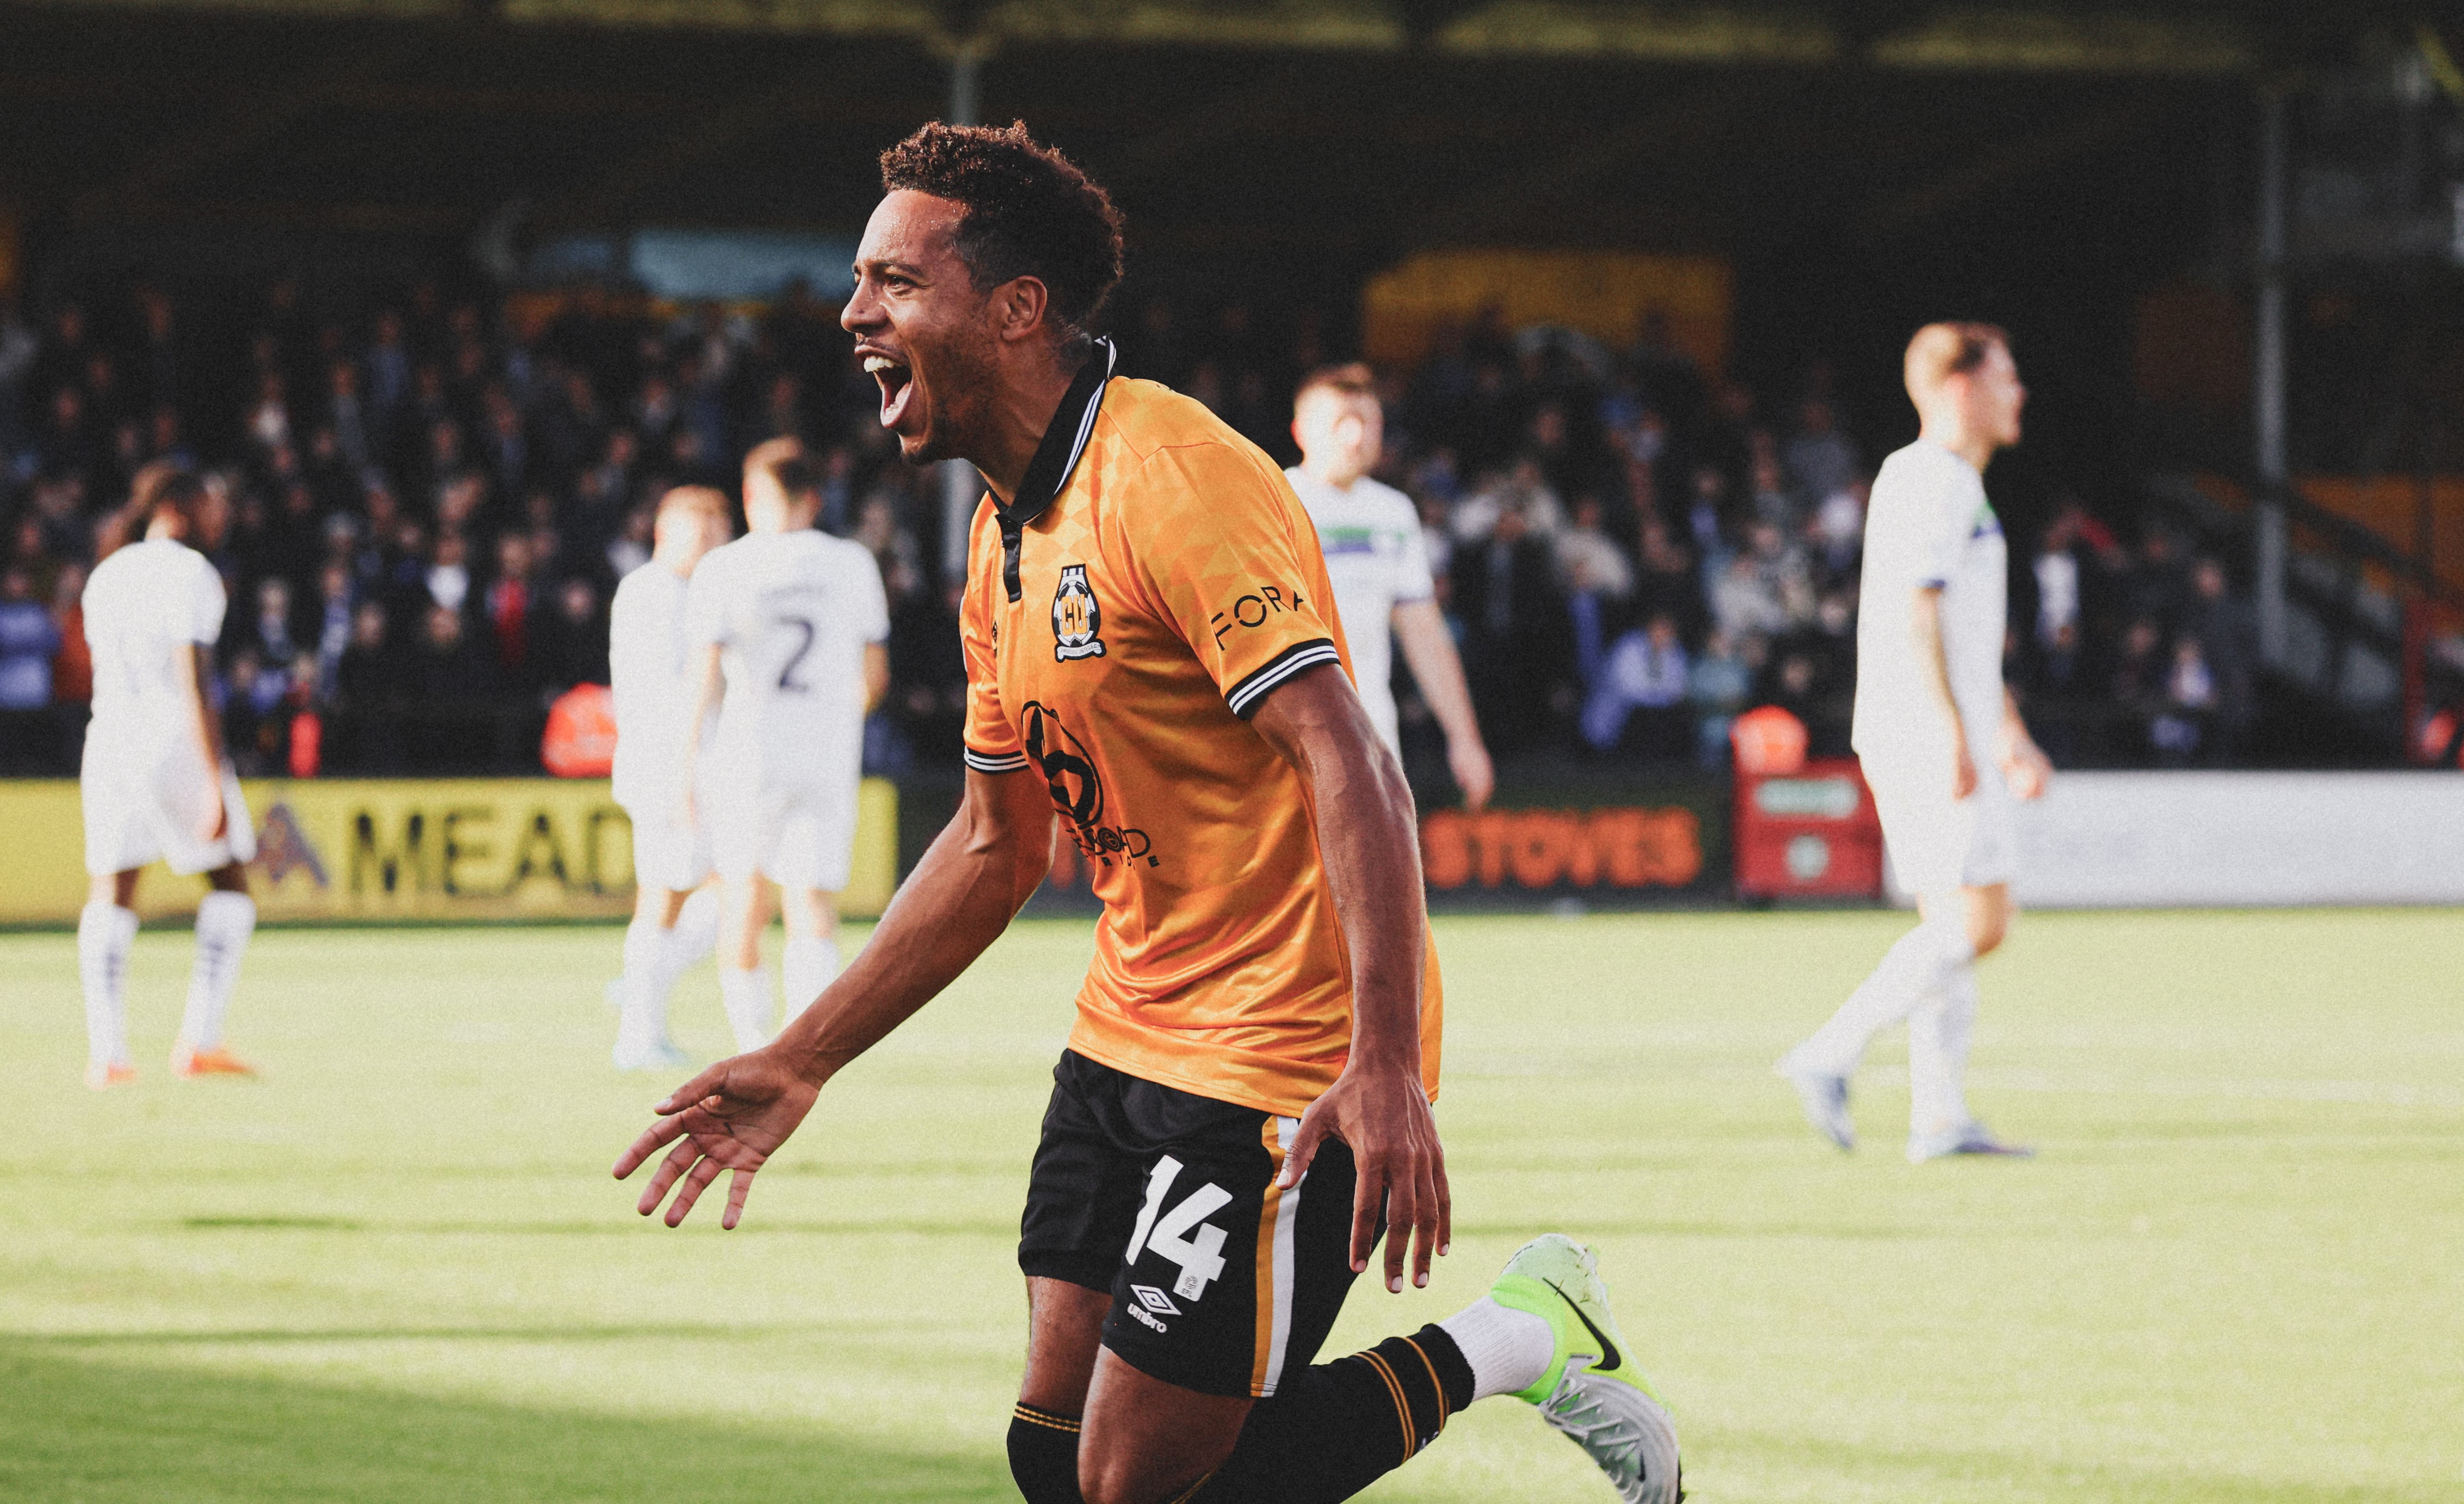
(1019, 307)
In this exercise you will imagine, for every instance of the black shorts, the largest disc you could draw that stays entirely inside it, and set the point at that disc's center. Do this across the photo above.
(1219, 1281)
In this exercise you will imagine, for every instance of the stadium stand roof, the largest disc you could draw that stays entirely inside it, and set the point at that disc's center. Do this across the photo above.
(1351, 130)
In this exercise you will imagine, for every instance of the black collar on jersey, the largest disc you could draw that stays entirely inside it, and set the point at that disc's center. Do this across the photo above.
(1064, 441)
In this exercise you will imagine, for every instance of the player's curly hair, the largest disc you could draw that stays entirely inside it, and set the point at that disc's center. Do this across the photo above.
(1030, 211)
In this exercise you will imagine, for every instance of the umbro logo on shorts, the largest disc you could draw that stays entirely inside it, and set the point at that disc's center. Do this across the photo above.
(1155, 1300)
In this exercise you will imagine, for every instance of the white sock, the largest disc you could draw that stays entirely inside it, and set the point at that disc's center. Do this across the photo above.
(809, 965)
(224, 920)
(1508, 1349)
(643, 1022)
(1910, 973)
(751, 1011)
(1939, 1034)
(105, 930)
(695, 935)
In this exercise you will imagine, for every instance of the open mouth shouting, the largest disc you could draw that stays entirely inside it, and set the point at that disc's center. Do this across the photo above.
(897, 384)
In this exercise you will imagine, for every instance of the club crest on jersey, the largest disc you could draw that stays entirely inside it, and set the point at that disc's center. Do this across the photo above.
(1076, 617)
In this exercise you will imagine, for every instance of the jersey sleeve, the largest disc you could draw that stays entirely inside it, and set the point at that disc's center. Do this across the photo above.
(990, 740)
(1231, 559)
(1948, 521)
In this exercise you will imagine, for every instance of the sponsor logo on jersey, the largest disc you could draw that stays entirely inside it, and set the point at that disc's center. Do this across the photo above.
(1077, 791)
(1076, 617)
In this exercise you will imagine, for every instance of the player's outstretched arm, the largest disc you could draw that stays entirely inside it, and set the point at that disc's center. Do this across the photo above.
(1429, 647)
(733, 1116)
(1371, 846)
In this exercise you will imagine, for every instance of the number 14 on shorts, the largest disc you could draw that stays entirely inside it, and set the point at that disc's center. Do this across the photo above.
(1200, 1254)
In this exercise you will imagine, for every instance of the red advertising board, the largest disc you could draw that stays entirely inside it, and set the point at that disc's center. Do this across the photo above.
(1809, 833)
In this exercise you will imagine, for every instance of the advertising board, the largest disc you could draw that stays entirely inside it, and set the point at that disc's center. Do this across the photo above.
(2229, 840)
(398, 848)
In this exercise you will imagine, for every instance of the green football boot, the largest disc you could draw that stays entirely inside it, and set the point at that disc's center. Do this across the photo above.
(1594, 1389)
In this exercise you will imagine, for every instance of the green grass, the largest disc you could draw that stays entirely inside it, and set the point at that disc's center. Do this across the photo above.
(396, 1270)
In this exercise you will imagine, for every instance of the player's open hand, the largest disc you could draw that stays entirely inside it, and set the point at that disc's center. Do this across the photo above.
(1384, 1117)
(1474, 774)
(733, 1116)
(2028, 770)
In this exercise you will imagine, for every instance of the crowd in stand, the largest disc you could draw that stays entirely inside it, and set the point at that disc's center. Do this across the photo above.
(429, 502)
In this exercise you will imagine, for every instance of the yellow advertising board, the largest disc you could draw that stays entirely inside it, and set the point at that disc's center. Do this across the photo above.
(398, 848)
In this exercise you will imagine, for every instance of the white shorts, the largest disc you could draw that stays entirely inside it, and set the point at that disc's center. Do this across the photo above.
(798, 837)
(1937, 843)
(136, 814)
(668, 853)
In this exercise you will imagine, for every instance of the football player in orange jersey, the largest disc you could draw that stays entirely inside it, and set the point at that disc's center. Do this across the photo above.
(1244, 1109)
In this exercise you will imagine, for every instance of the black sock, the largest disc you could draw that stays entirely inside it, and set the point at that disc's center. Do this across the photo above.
(1043, 1455)
(1333, 1429)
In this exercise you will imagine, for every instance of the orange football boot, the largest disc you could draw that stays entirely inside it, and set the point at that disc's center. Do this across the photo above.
(103, 1078)
(189, 1064)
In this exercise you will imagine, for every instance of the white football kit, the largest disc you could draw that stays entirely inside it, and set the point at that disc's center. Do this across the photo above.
(144, 781)
(1929, 526)
(792, 615)
(1377, 559)
(651, 675)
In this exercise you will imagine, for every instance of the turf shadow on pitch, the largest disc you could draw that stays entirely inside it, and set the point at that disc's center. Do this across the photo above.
(103, 1433)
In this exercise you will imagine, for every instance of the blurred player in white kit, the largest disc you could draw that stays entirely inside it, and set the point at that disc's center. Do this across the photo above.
(789, 628)
(651, 669)
(1378, 559)
(1940, 738)
(155, 782)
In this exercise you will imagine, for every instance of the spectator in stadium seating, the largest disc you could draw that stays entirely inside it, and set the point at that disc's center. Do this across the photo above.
(448, 575)
(64, 450)
(510, 608)
(29, 640)
(2156, 587)
(20, 349)
(2179, 728)
(1719, 681)
(329, 623)
(572, 639)
(1639, 704)
(2226, 629)
(1820, 460)
(367, 695)
(928, 669)
(269, 634)
(1514, 650)
(2137, 685)
(1746, 603)
(1666, 581)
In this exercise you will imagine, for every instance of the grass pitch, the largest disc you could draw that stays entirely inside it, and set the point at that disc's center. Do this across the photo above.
(395, 1269)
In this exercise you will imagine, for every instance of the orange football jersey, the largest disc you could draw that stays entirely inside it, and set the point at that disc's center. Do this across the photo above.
(1117, 635)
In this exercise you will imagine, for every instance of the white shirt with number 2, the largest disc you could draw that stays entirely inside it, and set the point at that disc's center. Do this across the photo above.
(791, 613)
